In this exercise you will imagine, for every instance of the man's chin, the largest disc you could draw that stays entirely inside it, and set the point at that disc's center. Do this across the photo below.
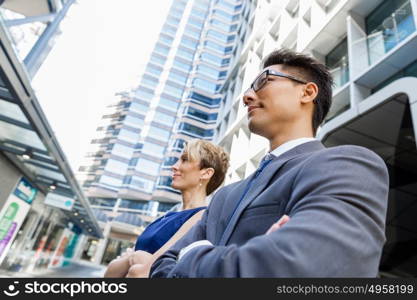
(255, 127)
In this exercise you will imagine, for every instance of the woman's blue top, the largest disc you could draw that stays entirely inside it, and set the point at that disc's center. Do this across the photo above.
(162, 229)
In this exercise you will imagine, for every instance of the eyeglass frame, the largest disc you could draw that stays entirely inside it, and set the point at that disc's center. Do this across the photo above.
(274, 73)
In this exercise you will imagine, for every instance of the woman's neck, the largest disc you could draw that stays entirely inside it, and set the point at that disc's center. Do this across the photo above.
(193, 198)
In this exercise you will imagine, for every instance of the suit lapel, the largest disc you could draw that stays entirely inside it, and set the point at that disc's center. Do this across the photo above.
(262, 182)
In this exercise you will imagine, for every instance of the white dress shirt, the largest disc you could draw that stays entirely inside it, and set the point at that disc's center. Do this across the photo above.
(281, 149)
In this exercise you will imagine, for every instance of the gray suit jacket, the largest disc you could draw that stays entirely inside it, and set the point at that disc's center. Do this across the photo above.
(336, 198)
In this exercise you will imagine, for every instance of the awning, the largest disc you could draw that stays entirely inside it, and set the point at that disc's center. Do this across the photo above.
(27, 139)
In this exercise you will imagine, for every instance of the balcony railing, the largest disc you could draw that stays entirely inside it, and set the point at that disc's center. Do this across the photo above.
(393, 30)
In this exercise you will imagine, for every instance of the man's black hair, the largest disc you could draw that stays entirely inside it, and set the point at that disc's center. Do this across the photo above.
(311, 70)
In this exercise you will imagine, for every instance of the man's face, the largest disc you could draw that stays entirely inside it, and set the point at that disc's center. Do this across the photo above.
(275, 106)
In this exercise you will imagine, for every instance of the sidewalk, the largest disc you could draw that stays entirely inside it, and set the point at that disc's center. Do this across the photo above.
(76, 269)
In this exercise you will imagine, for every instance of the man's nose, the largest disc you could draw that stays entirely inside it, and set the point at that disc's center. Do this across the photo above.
(248, 96)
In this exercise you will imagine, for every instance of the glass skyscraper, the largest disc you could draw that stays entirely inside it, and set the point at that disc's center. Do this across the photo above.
(127, 173)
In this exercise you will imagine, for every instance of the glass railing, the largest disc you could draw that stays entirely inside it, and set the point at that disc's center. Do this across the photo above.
(391, 32)
(340, 73)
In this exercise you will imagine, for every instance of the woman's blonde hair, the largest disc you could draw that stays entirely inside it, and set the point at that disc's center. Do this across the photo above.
(210, 156)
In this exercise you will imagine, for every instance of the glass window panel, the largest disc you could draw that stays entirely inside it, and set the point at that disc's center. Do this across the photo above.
(134, 121)
(12, 111)
(128, 135)
(116, 166)
(159, 133)
(25, 136)
(206, 85)
(110, 181)
(158, 59)
(148, 167)
(338, 62)
(153, 149)
(167, 103)
(139, 107)
(122, 151)
(164, 118)
(173, 90)
(144, 94)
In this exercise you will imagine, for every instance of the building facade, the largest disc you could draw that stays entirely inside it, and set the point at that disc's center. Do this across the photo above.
(44, 214)
(370, 48)
(127, 174)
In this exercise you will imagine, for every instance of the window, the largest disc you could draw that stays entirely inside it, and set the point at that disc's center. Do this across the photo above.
(148, 167)
(157, 59)
(139, 107)
(149, 81)
(338, 62)
(166, 39)
(219, 61)
(224, 15)
(134, 121)
(196, 22)
(110, 181)
(116, 166)
(220, 36)
(181, 65)
(163, 207)
(153, 149)
(164, 118)
(102, 202)
(122, 151)
(177, 78)
(173, 90)
(154, 70)
(167, 103)
(186, 54)
(204, 99)
(162, 49)
(189, 42)
(142, 184)
(134, 204)
(165, 181)
(172, 20)
(144, 94)
(133, 161)
(214, 46)
(169, 29)
(159, 133)
(205, 70)
(201, 114)
(195, 131)
(206, 85)
(128, 135)
(170, 161)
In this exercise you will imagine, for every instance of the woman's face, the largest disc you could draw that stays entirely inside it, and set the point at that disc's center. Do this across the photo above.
(185, 174)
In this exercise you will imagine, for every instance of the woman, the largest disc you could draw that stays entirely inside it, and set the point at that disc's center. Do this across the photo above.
(199, 172)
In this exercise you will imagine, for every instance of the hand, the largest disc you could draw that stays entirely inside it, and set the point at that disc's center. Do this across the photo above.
(139, 271)
(284, 219)
(125, 254)
(140, 257)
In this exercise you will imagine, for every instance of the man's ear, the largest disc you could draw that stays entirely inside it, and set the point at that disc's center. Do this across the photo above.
(310, 92)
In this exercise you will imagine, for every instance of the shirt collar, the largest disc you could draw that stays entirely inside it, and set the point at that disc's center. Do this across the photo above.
(289, 145)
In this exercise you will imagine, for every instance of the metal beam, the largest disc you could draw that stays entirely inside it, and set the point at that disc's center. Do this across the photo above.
(42, 46)
(27, 20)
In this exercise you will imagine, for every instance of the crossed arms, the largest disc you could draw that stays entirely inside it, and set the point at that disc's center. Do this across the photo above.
(337, 209)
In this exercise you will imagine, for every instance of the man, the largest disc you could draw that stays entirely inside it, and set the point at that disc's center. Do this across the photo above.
(336, 198)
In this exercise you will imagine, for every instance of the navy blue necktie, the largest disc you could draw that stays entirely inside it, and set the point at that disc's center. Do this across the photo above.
(265, 161)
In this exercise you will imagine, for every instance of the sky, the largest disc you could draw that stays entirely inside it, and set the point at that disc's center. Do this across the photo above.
(103, 49)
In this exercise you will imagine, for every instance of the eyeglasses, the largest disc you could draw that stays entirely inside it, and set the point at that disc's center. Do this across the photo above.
(262, 79)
